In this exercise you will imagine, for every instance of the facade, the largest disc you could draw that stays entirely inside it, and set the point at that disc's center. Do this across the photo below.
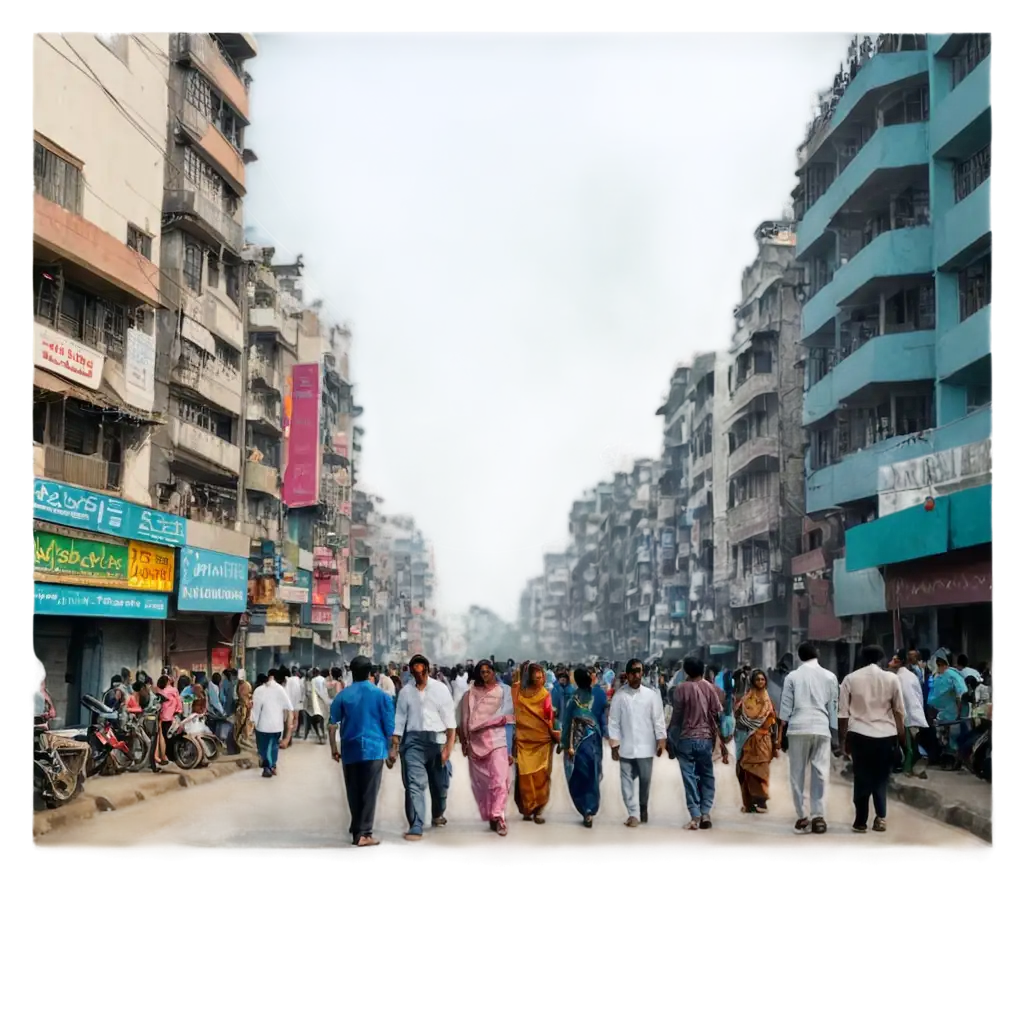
(764, 466)
(895, 232)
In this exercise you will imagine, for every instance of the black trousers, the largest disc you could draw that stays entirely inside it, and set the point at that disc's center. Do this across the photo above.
(362, 784)
(873, 758)
(316, 722)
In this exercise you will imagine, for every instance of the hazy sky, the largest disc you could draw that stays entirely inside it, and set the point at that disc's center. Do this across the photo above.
(527, 234)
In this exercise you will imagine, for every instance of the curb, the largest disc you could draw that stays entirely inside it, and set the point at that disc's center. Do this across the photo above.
(930, 802)
(148, 786)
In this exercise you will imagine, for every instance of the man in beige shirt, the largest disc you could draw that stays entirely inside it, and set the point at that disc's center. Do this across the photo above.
(871, 717)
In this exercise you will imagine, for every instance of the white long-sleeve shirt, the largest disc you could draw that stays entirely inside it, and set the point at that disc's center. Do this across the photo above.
(430, 710)
(636, 721)
(913, 698)
(810, 700)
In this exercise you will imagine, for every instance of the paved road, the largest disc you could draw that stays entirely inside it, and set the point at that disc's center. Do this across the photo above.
(304, 806)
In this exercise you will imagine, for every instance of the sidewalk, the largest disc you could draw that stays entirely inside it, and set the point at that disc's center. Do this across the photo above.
(957, 799)
(115, 792)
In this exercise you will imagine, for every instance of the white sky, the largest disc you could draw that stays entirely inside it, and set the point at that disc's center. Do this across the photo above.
(527, 234)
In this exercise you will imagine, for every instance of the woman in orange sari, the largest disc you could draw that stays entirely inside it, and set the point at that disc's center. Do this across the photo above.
(534, 740)
(757, 743)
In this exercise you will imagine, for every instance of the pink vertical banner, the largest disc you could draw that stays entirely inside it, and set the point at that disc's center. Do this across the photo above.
(301, 485)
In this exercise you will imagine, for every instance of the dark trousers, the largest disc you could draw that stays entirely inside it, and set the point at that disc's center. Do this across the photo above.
(316, 722)
(873, 758)
(362, 784)
(422, 770)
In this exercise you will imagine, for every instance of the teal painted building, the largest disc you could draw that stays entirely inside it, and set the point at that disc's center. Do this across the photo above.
(894, 232)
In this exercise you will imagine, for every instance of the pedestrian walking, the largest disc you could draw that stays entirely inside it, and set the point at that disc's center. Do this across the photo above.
(808, 713)
(561, 694)
(534, 743)
(692, 734)
(583, 728)
(245, 734)
(919, 733)
(758, 737)
(273, 717)
(871, 718)
(315, 705)
(387, 685)
(365, 717)
(485, 717)
(424, 737)
(946, 699)
(637, 734)
(294, 684)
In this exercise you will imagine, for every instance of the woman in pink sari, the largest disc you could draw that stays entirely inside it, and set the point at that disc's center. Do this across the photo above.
(485, 719)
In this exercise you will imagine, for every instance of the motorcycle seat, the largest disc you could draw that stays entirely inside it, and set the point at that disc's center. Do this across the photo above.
(97, 707)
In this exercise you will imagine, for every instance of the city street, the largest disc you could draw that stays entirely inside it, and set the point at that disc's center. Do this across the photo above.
(305, 807)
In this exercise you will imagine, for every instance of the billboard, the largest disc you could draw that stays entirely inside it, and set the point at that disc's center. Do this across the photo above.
(301, 487)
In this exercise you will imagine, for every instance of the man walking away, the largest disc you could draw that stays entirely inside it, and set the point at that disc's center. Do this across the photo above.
(696, 708)
(636, 731)
(918, 731)
(365, 715)
(808, 710)
(271, 716)
(294, 685)
(871, 714)
(424, 737)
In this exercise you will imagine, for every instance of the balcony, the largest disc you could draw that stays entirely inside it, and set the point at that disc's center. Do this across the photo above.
(219, 316)
(264, 374)
(964, 345)
(754, 448)
(752, 589)
(900, 253)
(203, 532)
(216, 383)
(201, 444)
(263, 415)
(266, 318)
(884, 359)
(701, 463)
(809, 561)
(964, 230)
(217, 226)
(199, 50)
(89, 471)
(750, 519)
(755, 385)
(890, 149)
(962, 120)
(209, 140)
(263, 478)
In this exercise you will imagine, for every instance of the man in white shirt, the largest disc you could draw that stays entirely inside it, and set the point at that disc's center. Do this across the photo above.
(637, 733)
(295, 687)
(916, 721)
(424, 737)
(384, 682)
(871, 716)
(271, 716)
(808, 709)
(460, 684)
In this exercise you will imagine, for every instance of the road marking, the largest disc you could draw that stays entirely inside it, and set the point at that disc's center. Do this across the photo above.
(153, 832)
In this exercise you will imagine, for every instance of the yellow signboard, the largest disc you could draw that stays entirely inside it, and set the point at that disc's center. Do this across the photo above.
(150, 567)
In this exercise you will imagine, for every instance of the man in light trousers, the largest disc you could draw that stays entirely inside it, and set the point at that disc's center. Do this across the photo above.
(809, 708)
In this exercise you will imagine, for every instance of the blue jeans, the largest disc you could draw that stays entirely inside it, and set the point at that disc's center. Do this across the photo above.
(698, 771)
(267, 744)
(422, 770)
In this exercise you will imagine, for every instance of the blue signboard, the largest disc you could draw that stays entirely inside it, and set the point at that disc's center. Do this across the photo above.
(87, 510)
(52, 599)
(212, 582)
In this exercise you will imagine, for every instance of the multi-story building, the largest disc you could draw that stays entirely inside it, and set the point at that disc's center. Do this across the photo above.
(531, 605)
(554, 618)
(97, 291)
(764, 470)
(895, 232)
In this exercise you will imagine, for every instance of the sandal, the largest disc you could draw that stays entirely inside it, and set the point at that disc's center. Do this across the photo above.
(502, 828)
(760, 810)
(588, 822)
(692, 825)
(879, 825)
(705, 821)
(802, 825)
(538, 819)
(818, 826)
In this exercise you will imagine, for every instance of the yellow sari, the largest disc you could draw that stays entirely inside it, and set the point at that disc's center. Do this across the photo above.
(535, 718)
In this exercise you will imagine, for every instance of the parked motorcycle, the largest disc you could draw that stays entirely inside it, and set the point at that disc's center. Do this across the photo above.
(58, 775)
(108, 753)
(139, 736)
(184, 746)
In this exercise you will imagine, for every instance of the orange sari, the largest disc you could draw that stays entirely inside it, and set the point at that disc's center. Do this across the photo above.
(535, 718)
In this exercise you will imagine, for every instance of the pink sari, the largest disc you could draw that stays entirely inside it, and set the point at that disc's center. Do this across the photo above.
(482, 729)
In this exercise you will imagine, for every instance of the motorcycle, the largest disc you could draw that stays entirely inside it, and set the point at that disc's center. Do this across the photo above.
(108, 753)
(140, 735)
(184, 746)
(58, 774)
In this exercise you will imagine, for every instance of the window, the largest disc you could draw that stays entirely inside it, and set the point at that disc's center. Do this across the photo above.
(913, 414)
(972, 172)
(973, 50)
(976, 287)
(140, 241)
(212, 273)
(199, 94)
(39, 422)
(978, 397)
(57, 179)
(116, 43)
(192, 268)
(909, 108)
(232, 277)
(202, 175)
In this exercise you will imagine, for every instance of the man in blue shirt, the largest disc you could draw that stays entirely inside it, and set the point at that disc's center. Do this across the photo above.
(365, 715)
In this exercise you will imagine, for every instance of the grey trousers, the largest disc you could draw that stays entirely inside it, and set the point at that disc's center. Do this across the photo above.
(630, 770)
(816, 752)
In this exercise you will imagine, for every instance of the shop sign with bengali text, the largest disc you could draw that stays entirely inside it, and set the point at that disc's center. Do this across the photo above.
(96, 563)
(52, 599)
(213, 582)
(68, 358)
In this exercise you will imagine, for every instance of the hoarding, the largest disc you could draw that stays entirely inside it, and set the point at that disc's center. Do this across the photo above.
(301, 486)
(212, 582)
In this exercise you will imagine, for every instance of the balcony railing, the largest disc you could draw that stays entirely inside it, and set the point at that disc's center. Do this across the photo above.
(191, 202)
(973, 172)
(84, 470)
(975, 49)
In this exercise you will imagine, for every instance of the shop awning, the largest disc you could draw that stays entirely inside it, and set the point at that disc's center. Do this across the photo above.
(103, 398)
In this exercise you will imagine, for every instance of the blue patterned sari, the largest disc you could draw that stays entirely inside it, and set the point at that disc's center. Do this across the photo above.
(583, 728)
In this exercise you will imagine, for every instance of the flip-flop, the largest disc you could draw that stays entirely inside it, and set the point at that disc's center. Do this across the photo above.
(692, 825)
(705, 823)
(502, 828)
(368, 841)
(802, 825)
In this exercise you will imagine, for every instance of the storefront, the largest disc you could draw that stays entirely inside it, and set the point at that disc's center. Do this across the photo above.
(104, 569)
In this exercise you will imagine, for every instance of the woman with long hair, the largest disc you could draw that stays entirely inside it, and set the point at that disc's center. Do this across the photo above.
(484, 718)
(533, 743)
(757, 742)
(245, 732)
(582, 738)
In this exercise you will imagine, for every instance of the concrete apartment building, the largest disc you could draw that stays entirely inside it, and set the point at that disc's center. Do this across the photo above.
(97, 292)
(764, 469)
(895, 231)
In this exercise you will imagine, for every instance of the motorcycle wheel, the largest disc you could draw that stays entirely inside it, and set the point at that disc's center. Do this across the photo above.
(187, 752)
(118, 762)
(55, 794)
(140, 748)
(211, 747)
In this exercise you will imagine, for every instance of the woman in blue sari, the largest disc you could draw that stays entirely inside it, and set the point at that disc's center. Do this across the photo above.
(582, 739)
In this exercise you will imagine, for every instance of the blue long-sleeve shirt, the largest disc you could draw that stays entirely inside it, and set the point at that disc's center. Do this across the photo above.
(365, 717)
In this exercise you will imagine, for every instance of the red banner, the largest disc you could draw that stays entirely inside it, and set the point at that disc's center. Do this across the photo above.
(301, 487)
